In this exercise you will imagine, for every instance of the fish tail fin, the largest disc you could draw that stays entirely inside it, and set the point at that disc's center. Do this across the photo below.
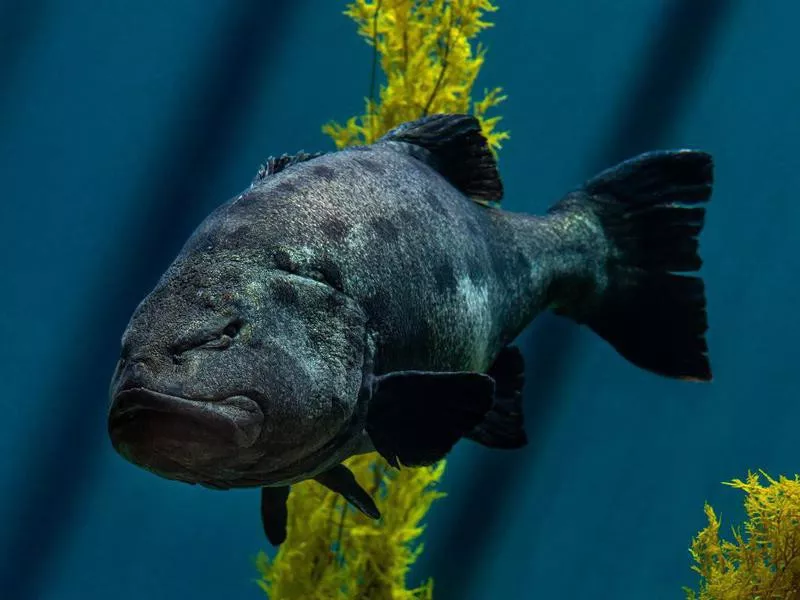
(650, 212)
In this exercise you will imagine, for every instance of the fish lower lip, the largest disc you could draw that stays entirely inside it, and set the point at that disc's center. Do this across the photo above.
(238, 416)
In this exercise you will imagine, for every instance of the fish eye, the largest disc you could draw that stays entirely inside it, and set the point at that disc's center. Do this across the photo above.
(218, 340)
(224, 338)
(232, 329)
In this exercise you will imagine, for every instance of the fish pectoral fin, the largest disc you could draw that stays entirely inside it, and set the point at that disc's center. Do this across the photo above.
(416, 417)
(341, 480)
(453, 145)
(503, 425)
(274, 513)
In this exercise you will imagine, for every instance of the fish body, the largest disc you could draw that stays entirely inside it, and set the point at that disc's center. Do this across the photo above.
(361, 300)
(443, 282)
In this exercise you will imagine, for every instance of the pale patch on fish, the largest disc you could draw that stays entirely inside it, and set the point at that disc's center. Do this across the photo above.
(475, 300)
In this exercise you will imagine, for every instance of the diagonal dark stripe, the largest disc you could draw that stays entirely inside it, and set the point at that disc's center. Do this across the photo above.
(19, 21)
(62, 463)
(669, 72)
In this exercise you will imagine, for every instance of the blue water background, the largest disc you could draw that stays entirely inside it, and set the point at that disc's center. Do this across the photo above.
(122, 124)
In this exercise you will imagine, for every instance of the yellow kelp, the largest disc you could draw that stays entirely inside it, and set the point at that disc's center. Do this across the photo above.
(764, 561)
(332, 551)
(430, 65)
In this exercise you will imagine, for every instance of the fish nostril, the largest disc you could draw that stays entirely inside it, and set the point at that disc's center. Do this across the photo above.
(142, 362)
(132, 374)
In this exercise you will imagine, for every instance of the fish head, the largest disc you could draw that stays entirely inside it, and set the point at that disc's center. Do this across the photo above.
(233, 375)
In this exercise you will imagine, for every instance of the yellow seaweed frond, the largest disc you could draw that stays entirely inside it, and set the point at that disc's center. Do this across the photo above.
(334, 552)
(426, 53)
(763, 561)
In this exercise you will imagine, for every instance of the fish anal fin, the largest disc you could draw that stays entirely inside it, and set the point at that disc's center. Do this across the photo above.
(503, 425)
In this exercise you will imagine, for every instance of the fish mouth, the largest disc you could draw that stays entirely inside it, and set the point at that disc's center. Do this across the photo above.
(150, 428)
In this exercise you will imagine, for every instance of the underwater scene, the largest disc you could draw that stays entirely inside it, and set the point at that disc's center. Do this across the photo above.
(399, 299)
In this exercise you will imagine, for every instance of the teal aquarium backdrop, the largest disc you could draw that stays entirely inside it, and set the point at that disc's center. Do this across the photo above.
(122, 124)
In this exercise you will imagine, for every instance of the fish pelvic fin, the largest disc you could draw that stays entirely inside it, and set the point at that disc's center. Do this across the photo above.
(649, 308)
(454, 146)
(340, 479)
(274, 513)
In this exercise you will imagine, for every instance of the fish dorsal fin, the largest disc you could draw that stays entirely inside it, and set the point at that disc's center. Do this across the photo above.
(457, 149)
(276, 164)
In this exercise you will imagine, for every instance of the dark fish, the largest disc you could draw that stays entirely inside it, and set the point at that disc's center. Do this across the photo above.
(360, 300)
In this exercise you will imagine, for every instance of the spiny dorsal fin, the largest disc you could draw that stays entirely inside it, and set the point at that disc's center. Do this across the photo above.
(276, 164)
(457, 149)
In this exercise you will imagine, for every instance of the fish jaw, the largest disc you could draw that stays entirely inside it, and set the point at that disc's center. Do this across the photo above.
(181, 438)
